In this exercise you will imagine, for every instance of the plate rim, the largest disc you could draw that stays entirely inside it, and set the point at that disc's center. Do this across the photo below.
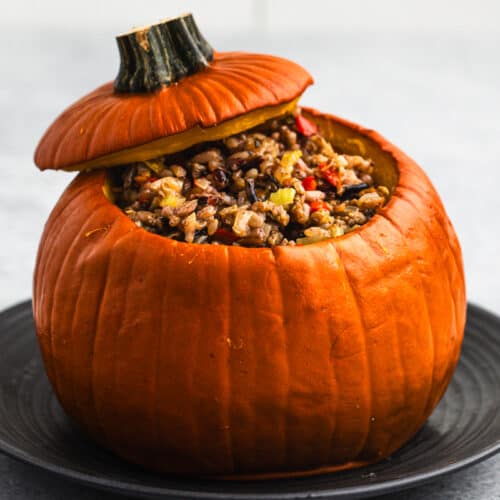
(147, 491)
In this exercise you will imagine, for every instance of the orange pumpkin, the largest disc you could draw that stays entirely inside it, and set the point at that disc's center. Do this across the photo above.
(232, 361)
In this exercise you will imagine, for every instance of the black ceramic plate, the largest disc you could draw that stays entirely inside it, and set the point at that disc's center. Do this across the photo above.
(464, 429)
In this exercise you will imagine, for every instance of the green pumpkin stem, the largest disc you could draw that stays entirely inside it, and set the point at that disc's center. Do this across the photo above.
(161, 54)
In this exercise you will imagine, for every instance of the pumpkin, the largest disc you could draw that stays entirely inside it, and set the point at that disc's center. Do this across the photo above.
(242, 362)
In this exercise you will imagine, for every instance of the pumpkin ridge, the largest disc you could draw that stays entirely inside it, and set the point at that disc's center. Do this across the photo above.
(285, 451)
(134, 117)
(272, 74)
(451, 248)
(369, 374)
(43, 261)
(392, 338)
(156, 103)
(417, 211)
(46, 231)
(209, 107)
(253, 376)
(215, 81)
(436, 213)
(247, 71)
(417, 272)
(430, 403)
(151, 113)
(160, 333)
(184, 114)
(250, 460)
(96, 134)
(56, 286)
(196, 332)
(156, 414)
(253, 78)
(268, 65)
(424, 300)
(95, 330)
(370, 370)
(237, 83)
(335, 378)
(47, 141)
(175, 110)
(266, 61)
(90, 138)
(232, 67)
(71, 381)
(99, 118)
(53, 248)
(117, 331)
(74, 128)
(161, 340)
(391, 313)
(232, 386)
(214, 346)
(336, 385)
(229, 390)
(312, 397)
(257, 378)
(236, 90)
(451, 347)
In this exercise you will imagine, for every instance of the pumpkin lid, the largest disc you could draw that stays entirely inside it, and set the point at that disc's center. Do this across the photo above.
(172, 91)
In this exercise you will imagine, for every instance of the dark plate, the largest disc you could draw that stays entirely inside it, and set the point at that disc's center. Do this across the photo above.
(464, 429)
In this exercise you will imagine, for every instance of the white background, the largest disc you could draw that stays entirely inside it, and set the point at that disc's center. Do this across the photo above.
(425, 74)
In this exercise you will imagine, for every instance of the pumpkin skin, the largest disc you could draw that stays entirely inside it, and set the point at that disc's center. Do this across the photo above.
(106, 128)
(253, 362)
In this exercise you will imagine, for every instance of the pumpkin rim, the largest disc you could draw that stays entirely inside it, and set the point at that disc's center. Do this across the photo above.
(398, 158)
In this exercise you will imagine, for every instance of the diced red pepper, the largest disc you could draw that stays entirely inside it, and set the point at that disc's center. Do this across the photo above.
(305, 127)
(330, 174)
(152, 179)
(319, 205)
(309, 183)
(225, 236)
(332, 177)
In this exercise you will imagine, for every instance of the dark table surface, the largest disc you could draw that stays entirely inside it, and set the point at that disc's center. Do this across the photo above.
(23, 482)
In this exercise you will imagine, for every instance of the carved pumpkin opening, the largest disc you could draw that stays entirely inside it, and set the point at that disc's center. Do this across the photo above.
(154, 195)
